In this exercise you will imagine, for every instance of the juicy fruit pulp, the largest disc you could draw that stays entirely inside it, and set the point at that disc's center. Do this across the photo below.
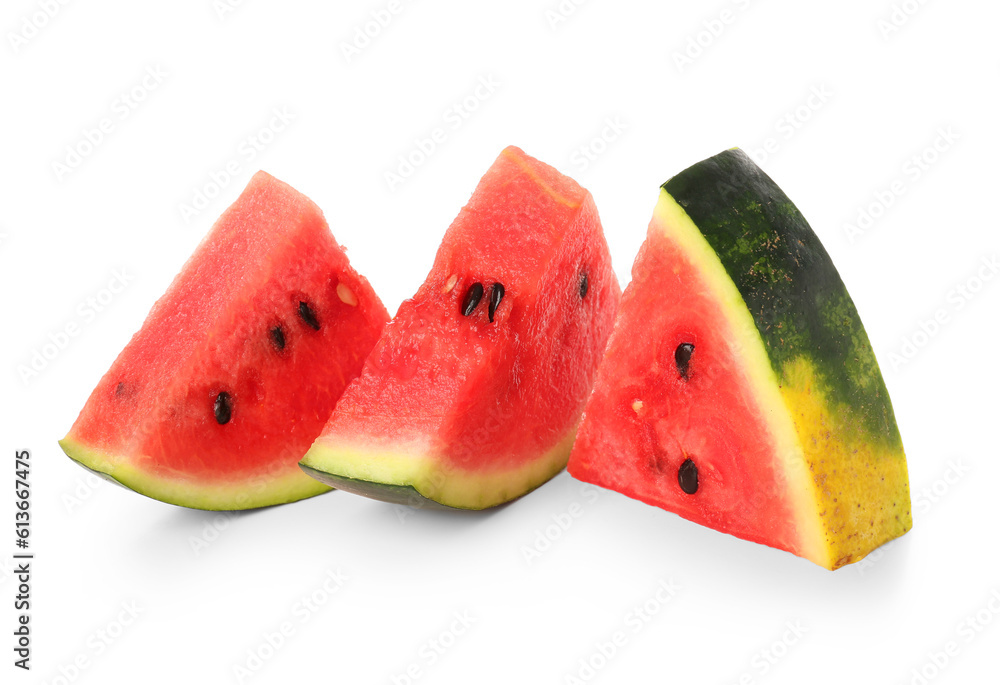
(473, 394)
(239, 364)
(754, 405)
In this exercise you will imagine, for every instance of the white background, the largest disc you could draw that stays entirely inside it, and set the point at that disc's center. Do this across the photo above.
(207, 588)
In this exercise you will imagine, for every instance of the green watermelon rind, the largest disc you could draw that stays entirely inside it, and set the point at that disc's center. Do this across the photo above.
(788, 281)
(413, 477)
(385, 492)
(209, 496)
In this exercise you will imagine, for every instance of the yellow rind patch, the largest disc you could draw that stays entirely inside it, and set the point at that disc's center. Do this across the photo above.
(862, 487)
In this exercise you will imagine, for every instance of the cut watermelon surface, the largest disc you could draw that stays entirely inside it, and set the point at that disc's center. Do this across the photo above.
(739, 389)
(238, 365)
(473, 394)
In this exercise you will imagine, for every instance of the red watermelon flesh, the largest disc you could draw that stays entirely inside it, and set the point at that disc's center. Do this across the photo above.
(646, 419)
(238, 365)
(473, 410)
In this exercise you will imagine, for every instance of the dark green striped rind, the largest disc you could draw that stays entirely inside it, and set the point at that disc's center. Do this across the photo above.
(788, 281)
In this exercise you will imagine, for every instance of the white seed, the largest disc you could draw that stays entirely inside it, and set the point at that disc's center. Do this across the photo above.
(346, 296)
(637, 406)
(452, 280)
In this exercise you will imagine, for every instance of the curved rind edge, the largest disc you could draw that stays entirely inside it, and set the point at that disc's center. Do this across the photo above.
(236, 496)
(385, 492)
(423, 474)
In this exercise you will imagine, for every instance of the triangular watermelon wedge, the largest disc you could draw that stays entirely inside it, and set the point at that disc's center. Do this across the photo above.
(473, 395)
(739, 388)
(238, 366)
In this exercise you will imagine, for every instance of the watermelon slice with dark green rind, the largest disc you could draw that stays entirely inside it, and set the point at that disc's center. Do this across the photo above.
(784, 411)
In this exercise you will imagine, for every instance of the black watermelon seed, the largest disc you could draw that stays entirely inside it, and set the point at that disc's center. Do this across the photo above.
(472, 297)
(120, 389)
(687, 477)
(308, 316)
(277, 335)
(223, 408)
(495, 296)
(584, 286)
(682, 358)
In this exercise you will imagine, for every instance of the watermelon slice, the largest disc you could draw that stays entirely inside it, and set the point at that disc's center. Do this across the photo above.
(238, 366)
(473, 394)
(739, 389)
